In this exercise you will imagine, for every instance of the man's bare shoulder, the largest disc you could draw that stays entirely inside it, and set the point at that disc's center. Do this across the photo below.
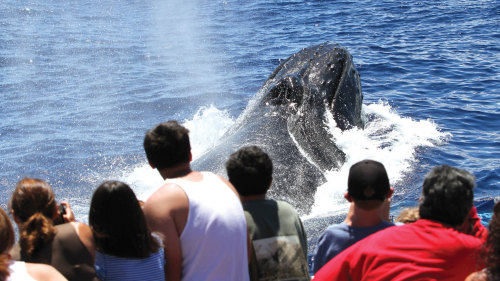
(167, 209)
(167, 193)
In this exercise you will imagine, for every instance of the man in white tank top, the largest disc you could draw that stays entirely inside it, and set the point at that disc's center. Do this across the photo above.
(199, 214)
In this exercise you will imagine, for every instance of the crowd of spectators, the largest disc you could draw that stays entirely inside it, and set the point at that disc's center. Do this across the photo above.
(201, 226)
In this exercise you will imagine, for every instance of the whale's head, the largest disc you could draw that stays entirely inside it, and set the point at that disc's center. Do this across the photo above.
(308, 87)
(316, 76)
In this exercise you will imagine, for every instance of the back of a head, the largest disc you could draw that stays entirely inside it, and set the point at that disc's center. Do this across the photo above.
(6, 242)
(167, 145)
(250, 170)
(492, 250)
(408, 215)
(33, 203)
(118, 223)
(6, 232)
(32, 196)
(368, 183)
(447, 195)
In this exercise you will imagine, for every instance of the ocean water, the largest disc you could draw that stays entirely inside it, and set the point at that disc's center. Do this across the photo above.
(81, 82)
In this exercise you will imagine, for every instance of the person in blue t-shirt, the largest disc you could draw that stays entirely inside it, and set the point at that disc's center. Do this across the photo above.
(369, 193)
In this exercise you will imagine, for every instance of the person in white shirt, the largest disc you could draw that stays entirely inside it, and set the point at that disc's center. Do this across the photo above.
(199, 214)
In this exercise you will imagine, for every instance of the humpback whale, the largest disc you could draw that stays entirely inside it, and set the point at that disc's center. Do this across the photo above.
(288, 118)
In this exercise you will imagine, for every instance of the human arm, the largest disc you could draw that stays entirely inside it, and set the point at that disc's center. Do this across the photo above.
(85, 234)
(44, 272)
(68, 215)
(166, 212)
(472, 225)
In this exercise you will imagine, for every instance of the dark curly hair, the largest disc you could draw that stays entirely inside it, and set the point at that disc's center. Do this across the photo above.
(167, 145)
(491, 250)
(250, 170)
(447, 195)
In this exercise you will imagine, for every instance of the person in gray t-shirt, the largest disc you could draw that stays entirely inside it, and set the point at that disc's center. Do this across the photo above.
(278, 237)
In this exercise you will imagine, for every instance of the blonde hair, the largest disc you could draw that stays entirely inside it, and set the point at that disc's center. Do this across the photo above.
(33, 203)
(408, 215)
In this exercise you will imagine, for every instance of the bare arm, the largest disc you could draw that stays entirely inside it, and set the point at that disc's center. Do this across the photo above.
(44, 272)
(85, 234)
(69, 216)
(166, 212)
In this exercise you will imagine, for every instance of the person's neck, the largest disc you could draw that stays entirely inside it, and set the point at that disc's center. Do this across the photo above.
(178, 171)
(358, 217)
(252, 197)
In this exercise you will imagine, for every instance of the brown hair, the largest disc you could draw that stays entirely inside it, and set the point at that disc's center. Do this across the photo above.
(6, 241)
(491, 249)
(33, 203)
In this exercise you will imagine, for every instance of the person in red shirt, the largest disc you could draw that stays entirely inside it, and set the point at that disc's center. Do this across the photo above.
(443, 244)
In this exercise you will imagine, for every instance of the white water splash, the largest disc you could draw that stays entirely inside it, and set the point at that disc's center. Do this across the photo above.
(388, 138)
(205, 129)
(207, 126)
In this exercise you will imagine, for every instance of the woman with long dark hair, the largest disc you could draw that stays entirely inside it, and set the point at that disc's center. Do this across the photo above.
(491, 251)
(67, 246)
(11, 270)
(125, 247)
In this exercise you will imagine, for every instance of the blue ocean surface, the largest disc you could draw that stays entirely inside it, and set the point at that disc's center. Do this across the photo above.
(81, 82)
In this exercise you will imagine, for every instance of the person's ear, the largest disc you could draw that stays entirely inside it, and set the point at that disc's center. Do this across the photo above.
(16, 219)
(348, 197)
(151, 165)
(270, 183)
(390, 193)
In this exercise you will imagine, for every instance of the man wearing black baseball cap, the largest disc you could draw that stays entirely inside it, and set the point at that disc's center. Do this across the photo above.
(369, 192)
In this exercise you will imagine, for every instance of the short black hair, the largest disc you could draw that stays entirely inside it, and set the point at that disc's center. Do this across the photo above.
(447, 195)
(118, 224)
(167, 145)
(250, 170)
